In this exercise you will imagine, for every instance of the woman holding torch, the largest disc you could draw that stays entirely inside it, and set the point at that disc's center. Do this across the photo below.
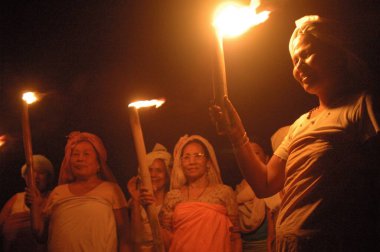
(15, 224)
(199, 211)
(87, 211)
(159, 164)
(326, 177)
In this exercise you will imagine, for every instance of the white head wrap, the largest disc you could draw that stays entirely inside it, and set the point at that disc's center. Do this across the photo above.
(335, 34)
(159, 152)
(75, 137)
(325, 30)
(178, 178)
(41, 164)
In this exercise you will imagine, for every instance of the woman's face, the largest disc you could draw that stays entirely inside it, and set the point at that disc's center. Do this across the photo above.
(319, 68)
(158, 174)
(42, 180)
(83, 161)
(194, 161)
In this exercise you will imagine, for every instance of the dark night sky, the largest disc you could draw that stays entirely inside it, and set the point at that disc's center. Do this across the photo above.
(92, 58)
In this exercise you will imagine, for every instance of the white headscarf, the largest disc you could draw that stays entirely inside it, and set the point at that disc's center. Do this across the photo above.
(159, 152)
(335, 34)
(41, 164)
(178, 179)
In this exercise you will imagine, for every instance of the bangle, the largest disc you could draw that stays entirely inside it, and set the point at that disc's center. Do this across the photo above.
(243, 141)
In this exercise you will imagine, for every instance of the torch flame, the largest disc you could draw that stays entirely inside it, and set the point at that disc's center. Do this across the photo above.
(29, 97)
(2, 140)
(148, 103)
(232, 19)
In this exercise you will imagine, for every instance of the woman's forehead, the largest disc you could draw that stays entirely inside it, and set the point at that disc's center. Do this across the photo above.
(301, 40)
(84, 145)
(193, 145)
(304, 41)
(158, 163)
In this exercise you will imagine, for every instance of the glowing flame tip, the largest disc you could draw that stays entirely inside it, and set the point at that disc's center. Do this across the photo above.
(29, 97)
(147, 103)
(232, 19)
(2, 140)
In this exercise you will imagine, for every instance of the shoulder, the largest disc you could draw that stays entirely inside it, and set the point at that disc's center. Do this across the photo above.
(172, 194)
(111, 192)
(356, 101)
(59, 192)
(297, 122)
(173, 197)
(110, 187)
(19, 194)
(60, 188)
(361, 107)
(223, 189)
(8, 205)
(226, 196)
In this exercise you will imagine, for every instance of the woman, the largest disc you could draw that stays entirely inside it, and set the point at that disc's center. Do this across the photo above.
(87, 211)
(15, 222)
(199, 211)
(256, 216)
(325, 176)
(159, 162)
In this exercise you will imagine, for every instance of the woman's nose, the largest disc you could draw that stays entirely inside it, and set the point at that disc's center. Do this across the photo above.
(299, 64)
(298, 69)
(79, 157)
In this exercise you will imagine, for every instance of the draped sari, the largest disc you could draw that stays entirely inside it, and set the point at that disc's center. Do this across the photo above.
(200, 226)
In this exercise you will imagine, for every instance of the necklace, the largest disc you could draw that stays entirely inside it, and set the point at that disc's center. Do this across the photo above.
(311, 111)
(199, 195)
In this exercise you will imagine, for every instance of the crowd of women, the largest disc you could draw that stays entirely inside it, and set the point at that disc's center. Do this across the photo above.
(316, 193)
(87, 210)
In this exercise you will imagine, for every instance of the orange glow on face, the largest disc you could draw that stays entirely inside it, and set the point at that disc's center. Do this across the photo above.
(29, 97)
(233, 19)
(147, 103)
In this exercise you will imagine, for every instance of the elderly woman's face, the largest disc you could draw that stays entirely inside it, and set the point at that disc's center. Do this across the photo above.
(317, 67)
(42, 179)
(158, 175)
(194, 161)
(83, 161)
